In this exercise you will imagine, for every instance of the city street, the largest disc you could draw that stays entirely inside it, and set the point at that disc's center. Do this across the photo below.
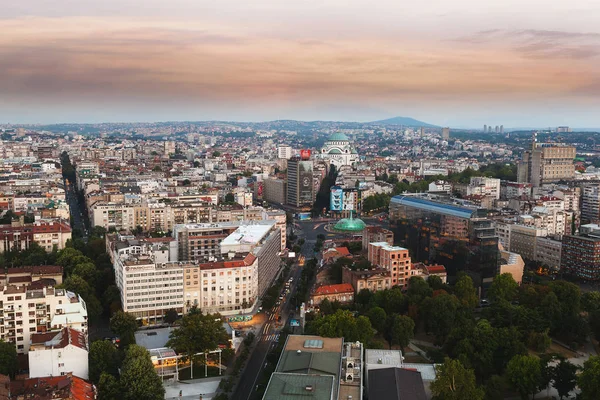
(77, 217)
(267, 338)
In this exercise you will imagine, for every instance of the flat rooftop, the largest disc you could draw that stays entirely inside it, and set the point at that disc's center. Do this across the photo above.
(248, 234)
(386, 246)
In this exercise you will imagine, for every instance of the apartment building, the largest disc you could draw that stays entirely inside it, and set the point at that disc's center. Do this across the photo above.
(46, 233)
(509, 190)
(25, 311)
(58, 353)
(523, 240)
(394, 259)
(580, 256)
(148, 289)
(48, 275)
(275, 190)
(482, 186)
(227, 287)
(590, 204)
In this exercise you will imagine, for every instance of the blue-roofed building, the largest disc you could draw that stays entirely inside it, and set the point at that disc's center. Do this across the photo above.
(447, 232)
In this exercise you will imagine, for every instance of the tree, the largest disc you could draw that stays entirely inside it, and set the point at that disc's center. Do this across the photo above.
(418, 290)
(465, 292)
(455, 382)
(109, 388)
(589, 379)
(8, 359)
(216, 154)
(79, 285)
(229, 198)
(503, 288)
(440, 314)
(197, 333)
(102, 360)
(435, 282)
(171, 316)
(524, 374)
(401, 330)
(124, 325)
(342, 324)
(564, 376)
(139, 380)
(87, 271)
(378, 318)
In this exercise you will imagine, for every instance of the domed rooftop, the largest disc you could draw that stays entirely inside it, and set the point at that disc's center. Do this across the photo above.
(350, 225)
(334, 151)
(338, 136)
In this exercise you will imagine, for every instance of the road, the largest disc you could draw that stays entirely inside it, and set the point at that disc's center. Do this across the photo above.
(77, 217)
(268, 338)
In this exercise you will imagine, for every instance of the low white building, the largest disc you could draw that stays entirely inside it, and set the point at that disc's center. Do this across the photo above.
(58, 353)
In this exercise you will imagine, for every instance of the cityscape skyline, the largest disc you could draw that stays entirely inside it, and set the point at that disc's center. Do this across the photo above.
(457, 65)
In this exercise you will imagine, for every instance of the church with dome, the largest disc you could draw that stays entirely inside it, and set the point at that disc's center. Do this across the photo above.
(338, 151)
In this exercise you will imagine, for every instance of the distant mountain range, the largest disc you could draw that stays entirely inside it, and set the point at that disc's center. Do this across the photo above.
(406, 121)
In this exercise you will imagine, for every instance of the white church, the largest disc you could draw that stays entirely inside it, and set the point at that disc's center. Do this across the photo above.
(338, 151)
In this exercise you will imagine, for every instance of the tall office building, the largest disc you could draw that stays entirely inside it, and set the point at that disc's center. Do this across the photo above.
(484, 128)
(300, 182)
(501, 128)
(547, 163)
(435, 230)
(446, 133)
(497, 129)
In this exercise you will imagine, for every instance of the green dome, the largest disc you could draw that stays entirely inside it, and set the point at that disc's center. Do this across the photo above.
(338, 136)
(334, 151)
(350, 225)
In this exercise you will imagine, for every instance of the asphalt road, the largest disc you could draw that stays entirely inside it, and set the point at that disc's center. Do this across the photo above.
(76, 210)
(268, 338)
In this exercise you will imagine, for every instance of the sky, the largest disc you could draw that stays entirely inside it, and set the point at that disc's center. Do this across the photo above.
(460, 63)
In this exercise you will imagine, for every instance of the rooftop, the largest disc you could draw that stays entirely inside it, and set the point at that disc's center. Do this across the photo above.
(433, 206)
(247, 234)
(284, 386)
(337, 137)
(333, 289)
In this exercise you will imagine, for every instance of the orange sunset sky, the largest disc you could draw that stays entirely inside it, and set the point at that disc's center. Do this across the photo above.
(460, 63)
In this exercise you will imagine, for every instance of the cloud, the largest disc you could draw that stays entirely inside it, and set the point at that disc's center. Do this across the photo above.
(82, 58)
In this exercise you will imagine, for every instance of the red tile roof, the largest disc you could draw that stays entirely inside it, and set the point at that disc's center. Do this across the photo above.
(333, 289)
(435, 269)
(65, 336)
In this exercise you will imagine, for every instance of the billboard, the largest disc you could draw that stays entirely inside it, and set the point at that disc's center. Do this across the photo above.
(305, 184)
(304, 216)
(336, 198)
(305, 154)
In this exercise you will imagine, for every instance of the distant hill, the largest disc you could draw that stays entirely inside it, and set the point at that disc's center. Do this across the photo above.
(404, 121)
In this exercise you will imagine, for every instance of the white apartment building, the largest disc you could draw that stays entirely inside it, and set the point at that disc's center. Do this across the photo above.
(148, 289)
(284, 152)
(440, 186)
(482, 186)
(24, 312)
(58, 353)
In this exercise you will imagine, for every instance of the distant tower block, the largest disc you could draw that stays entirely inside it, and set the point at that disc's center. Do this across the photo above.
(484, 128)
(422, 132)
(501, 128)
(445, 133)
(497, 129)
